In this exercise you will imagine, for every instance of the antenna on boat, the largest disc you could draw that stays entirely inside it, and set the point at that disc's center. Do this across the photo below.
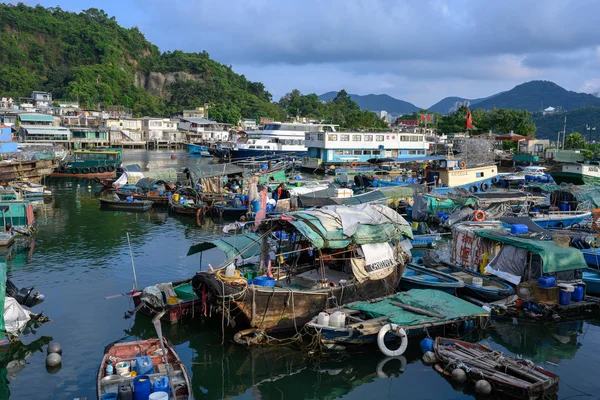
(135, 285)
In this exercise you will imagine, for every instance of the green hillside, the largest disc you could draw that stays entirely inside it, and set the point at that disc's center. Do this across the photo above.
(88, 57)
(536, 95)
(549, 125)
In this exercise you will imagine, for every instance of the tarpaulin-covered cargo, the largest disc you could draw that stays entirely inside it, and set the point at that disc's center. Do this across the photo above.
(247, 246)
(327, 197)
(427, 204)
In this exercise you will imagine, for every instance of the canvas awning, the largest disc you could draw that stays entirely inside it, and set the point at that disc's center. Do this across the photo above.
(247, 246)
(337, 227)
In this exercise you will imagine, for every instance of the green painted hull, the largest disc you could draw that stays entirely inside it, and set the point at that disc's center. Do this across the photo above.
(575, 179)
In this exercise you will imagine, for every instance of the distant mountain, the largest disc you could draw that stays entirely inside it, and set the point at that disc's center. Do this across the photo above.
(377, 102)
(548, 125)
(450, 104)
(537, 95)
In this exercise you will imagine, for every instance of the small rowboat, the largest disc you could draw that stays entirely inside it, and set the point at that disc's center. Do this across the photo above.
(188, 304)
(119, 205)
(416, 277)
(507, 376)
(179, 379)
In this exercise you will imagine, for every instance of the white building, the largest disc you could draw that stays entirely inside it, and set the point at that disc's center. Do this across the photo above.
(549, 110)
(383, 115)
(159, 129)
(201, 129)
(41, 99)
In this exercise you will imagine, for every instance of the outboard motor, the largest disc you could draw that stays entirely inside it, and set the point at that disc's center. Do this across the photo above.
(25, 297)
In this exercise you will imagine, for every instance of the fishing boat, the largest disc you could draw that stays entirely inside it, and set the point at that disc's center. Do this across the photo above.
(151, 364)
(508, 376)
(416, 277)
(561, 219)
(181, 301)
(338, 255)
(578, 174)
(125, 205)
(424, 241)
(479, 286)
(447, 174)
(31, 190)
(398, 317)
(89, 164)
(186, 201)
(32, 170)
(198, 149)
(231, 208)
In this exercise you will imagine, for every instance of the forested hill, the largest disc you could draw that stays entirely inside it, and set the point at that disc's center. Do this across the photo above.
(88, 57)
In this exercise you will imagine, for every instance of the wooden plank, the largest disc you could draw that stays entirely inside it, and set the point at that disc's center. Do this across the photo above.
(368, 322)
(417, 310)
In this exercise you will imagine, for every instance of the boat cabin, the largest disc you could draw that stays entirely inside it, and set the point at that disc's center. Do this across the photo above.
(456, 173)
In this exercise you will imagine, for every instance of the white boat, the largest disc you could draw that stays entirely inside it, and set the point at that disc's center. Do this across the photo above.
(276, 140)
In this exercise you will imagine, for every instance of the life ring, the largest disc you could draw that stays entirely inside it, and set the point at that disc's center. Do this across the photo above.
(353, 165)
(495, 180)
(101, 169)
(473, 189)
(85, 170)
(479, 216)
(463, 164)
(250, 336)
(110, 168)
(93, 169)
(75, 170)
(379, 369)
(396, 330)
(484, 187)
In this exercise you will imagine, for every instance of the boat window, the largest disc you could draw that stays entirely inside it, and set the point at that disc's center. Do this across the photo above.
(379, 138)
(356, 138)
(479, 174)
(412, 152)
(368, 138)
(376, 152)
(358, 152)
(320, 136)
(288, 141)
(338, 152)
(347, 152)
(251, 147)
(367, 152)
(404, 138)
(423, 152)
(345, 138)
(332, 138)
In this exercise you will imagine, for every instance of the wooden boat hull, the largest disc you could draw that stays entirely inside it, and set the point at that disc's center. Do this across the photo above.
(156, 199)
(90, 175)
(139, 206)
(279, 309)
(484, 293)
(231, 212)
(128, 350)
(173, 313)
(179, 209)
(32, 171)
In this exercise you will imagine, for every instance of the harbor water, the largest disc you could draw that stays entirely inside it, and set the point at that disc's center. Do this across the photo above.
(80, 254)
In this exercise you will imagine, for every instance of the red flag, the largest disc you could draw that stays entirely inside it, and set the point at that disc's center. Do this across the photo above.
(428, 117)
(422, 117)
(469, 120)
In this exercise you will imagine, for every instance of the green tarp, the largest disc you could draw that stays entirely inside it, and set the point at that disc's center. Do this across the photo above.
(2, 296)
(166, 174)
(449, 306)
(554, 258)
(247, 245)
(446, 204)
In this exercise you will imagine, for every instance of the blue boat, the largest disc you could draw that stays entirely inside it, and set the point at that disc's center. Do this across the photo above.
(242, 154)
(424, 241)
(592, 257)
(198, 149)
(562, 219)
(491, 289)
(416, 277)
(591, 279)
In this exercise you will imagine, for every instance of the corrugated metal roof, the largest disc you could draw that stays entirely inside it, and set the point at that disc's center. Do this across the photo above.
(36, 118)
(200, 121)
(46, 130)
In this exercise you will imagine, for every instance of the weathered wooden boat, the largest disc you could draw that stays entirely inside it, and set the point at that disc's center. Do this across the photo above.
(33, 171)
(31, 190)
(155, 197)
(508, 376)
(181, 301)
(416, 277)
(90, 164)
(140, 351)
(398, 317)
(186, 201)
(125, 205)
(338, 255)
(489, 289)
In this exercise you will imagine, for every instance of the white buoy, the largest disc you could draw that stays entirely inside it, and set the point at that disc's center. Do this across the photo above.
(89, 188)
(459, 376)
(429, 358)
(54, 348)
(483, 387)
(53, 360)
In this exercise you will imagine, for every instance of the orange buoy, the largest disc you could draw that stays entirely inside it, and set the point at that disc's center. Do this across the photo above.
(353, 165)
(479, 216)
(463, 164)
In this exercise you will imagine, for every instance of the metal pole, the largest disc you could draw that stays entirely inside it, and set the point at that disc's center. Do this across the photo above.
(135, 285)
(156, 322)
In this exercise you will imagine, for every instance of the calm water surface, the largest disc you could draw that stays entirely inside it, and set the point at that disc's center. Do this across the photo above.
(80, 255)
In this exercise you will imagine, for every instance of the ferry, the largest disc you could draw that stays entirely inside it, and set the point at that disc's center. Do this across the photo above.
(276, 140)
(338, 148)
(446, 174)
(578, 174)
(89, 164)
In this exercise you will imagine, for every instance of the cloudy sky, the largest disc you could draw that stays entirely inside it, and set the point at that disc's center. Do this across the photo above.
(416, 50)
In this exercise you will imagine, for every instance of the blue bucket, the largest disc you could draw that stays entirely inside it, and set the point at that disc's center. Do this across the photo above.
(255, 205)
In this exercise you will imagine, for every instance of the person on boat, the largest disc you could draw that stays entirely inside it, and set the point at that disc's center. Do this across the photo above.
(281, 192)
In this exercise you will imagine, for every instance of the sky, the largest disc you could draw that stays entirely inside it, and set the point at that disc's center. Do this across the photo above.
(415, 50)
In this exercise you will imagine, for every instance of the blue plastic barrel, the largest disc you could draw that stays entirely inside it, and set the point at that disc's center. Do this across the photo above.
(161, 384)
(577, 294)
(141, 387)
(564, 298)
(110, 396)
(426, 345)
(546, 282)
(255, 205)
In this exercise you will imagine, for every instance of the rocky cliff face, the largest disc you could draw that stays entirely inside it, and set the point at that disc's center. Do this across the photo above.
(157, 83)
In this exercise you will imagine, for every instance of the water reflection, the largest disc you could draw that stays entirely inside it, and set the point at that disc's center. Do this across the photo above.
(540, 342)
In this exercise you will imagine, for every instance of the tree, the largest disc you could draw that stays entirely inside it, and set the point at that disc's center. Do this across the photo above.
(575, 141)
